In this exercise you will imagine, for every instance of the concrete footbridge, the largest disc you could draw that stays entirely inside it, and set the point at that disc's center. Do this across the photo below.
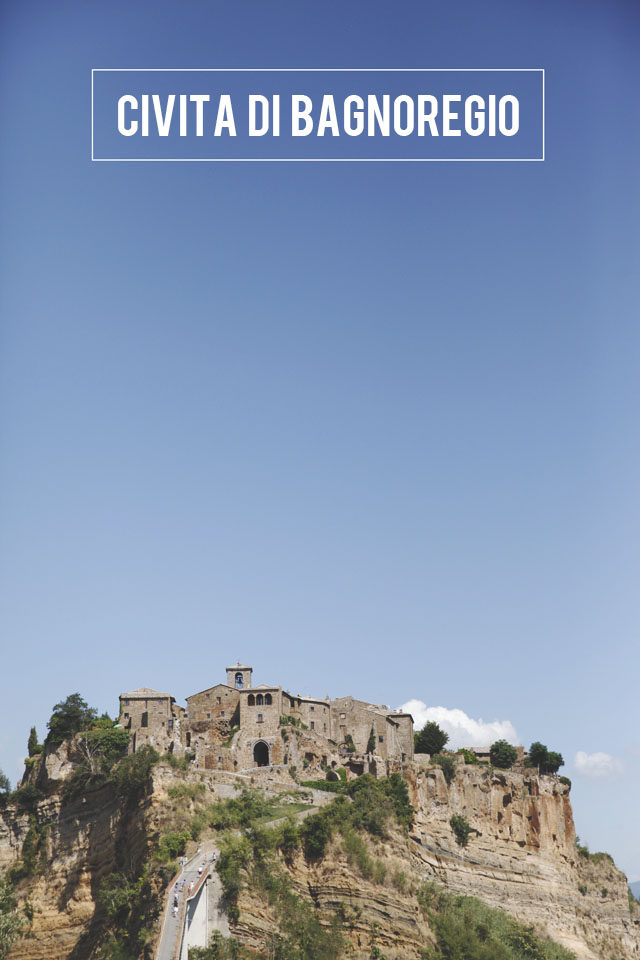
(194, 906)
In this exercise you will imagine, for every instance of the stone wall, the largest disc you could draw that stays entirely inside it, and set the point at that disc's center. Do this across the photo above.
(218, 702)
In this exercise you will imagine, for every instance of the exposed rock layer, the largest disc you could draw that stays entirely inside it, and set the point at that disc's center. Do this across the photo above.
(521, 856)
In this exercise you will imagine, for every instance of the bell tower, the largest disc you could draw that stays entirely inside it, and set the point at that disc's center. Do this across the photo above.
(239, 676)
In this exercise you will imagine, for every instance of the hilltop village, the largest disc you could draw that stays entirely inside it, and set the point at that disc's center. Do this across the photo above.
(236, 726)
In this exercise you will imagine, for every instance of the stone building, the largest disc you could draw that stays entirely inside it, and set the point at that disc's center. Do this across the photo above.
(151, 717)
(236, 726)
(362, 725)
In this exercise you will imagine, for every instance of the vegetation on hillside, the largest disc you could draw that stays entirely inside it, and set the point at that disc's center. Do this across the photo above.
(467, 929)
(12, 920)
(463, 928)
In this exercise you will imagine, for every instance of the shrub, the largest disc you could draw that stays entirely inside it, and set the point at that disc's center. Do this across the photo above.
(583, 889)
(502, 755)
(350, 745)
(316, 834)
(330, 786)
(232, 733)
(448, 765)
(187, 791)
(238, 811)
(235, 855)
(468, 756)
(172, 846)
(11, 920)
(467, 929)
(358, 853)
(431, 739)
(371, 742)
(566, 781)
(461, 828)
(131, 776)
(289, 841)
(131, 908)
(399, 880)
(26, 796)
(102, 746)
(380, 872)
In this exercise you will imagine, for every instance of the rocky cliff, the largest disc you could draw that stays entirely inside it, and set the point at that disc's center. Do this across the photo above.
(521, 856)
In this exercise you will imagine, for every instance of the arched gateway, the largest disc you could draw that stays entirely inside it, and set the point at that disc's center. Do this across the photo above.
(261, 754)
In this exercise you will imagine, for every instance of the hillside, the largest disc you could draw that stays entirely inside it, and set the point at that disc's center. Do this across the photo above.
(90, 859)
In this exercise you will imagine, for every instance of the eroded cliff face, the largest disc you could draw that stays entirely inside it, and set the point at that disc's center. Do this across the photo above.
(82, 841)
(521, 856)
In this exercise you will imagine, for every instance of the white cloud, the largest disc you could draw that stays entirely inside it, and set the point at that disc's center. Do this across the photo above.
(463, 730)
(600, 766)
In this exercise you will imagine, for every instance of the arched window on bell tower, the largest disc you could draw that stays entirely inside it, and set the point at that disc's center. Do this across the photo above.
(239, 676)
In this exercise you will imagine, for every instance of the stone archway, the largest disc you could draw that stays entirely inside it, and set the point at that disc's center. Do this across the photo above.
(261, 754)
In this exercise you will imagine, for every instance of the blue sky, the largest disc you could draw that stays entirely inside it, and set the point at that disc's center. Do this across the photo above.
(372, 428)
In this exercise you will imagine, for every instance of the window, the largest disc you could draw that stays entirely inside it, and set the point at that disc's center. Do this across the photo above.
(219, 759)
(159, 701)
(343, 716)
(208, 716)
(267, 700)
(380, 739)
(259, 700)
(126, 703)
(208, 696)
(251, 700)
(219, 699)
(325, 728)
(313, 725)
(259, 718)
(239, 681)
(312, 709)
(126, 716)
(222, 713)
(188, 739)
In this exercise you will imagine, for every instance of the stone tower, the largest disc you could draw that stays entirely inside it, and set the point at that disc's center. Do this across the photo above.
(239, 676)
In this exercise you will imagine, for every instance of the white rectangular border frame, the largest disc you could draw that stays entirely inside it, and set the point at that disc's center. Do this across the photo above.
(541, 159)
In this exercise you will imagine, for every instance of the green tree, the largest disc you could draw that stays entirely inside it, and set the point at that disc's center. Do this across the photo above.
(431, 739)
(371, 742)
(554, 762)
(537, 754)
(68, 718)
(33, 747)
(548, 761)
(502, 755)
(5, 786)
